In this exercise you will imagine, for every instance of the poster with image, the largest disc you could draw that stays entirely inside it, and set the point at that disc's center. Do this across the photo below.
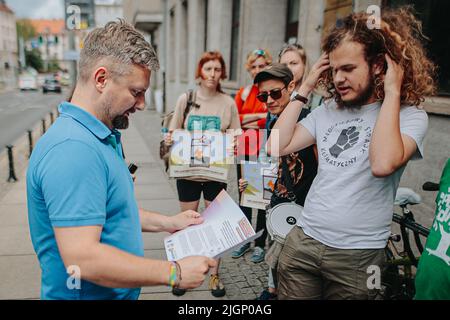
(261, 178)
(201, 154)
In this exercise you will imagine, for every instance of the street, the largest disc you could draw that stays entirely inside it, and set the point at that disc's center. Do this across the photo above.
(20, 110)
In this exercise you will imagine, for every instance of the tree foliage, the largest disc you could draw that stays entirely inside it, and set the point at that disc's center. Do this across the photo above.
(25, 30)
(34, 59)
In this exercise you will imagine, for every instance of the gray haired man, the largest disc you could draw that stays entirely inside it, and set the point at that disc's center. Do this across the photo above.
(82, 212)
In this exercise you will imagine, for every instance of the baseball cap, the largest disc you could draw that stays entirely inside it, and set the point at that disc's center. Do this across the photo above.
(277, 71)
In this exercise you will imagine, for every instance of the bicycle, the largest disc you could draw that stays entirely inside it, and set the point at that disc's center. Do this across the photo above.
(398, 276)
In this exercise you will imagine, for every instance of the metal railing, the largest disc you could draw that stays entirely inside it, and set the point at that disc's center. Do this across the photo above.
(45, 124)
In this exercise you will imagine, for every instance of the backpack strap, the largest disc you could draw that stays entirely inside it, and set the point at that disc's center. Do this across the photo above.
(189, 103)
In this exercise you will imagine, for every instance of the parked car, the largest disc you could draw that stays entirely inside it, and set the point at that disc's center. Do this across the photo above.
(65, 79)
(28, 82)
(41, 79)
(51, 85)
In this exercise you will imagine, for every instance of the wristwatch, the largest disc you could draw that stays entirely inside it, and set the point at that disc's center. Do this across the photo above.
(300, 98)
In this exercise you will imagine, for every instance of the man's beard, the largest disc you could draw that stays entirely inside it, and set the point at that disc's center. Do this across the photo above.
(362, 98)
(120, 122)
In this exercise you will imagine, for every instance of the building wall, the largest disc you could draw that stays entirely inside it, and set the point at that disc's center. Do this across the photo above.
(55, 50)
(131, 7)
(310, 27)
(362, 5)
(188, 30)
(8, 50)
(107, 10)
(8, 36)
(146, 16)
(255, 34)
(50, 48)
(185, 38)
(181, 39)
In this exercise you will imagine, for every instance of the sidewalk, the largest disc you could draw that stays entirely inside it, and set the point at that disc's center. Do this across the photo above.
(437, 105)
(19, 267)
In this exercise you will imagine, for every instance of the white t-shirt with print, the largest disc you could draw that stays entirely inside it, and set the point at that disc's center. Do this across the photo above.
(347, 207)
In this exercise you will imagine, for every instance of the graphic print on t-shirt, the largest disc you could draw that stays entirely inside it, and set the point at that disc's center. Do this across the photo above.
(345, 142)
(204, 123)
(441, 227)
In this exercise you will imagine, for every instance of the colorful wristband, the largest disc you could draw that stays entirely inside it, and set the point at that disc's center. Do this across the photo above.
(173, 274)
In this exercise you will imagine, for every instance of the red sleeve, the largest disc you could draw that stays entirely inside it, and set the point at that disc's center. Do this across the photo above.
(239, 103)
(262, 123)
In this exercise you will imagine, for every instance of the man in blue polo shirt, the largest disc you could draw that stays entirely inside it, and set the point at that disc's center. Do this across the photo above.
(84, 221)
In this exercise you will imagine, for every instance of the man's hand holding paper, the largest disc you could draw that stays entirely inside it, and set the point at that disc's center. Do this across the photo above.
(225, 228)
(185, 219)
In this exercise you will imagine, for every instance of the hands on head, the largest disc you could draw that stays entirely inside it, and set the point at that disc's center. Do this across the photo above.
(393, 78)
(321, 65)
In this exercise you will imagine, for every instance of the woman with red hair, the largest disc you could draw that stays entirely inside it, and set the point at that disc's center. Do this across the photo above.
(214, 110)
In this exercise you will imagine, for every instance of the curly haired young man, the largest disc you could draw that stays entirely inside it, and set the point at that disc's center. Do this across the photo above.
(365, 134)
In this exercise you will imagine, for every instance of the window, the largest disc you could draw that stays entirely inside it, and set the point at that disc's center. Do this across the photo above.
(235, 24)
(292, 21)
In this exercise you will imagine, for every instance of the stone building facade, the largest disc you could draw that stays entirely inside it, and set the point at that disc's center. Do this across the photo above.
(182, 29)
(8, 47)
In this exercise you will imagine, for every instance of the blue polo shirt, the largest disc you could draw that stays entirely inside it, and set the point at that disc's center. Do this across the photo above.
(78, 177)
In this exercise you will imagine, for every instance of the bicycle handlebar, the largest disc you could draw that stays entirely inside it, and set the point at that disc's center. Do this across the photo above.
(412, 225)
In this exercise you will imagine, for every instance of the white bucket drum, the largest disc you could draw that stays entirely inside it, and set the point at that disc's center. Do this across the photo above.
(281, 219)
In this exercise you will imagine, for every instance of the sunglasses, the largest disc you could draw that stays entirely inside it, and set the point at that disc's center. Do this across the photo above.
(275, 94)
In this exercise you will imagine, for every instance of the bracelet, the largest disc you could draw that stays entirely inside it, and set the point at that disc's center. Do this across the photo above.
(178, 272)
(175, 274)
(301, 98)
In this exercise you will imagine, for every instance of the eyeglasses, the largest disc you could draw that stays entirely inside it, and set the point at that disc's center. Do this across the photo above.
(275, 94)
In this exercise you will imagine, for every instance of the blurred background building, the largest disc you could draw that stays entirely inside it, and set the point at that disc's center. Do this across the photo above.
(107, 10)
(8, 47)
(51, 40)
